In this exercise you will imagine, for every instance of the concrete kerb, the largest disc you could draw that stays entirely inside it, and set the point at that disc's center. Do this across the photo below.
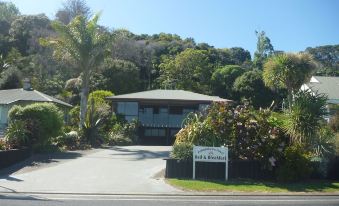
(183, 194)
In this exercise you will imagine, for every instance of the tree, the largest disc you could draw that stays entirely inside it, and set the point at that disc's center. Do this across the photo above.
(118, 76)
(10, 79)
(288, 71)
(251, 87)
(328, 57)
(223, 78)
(304, 119)
(189, 70)
(71, 9)
(82, 43)
(8, 11)
(264, 49)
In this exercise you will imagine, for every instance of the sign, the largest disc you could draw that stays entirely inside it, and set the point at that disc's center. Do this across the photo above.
(210, 154)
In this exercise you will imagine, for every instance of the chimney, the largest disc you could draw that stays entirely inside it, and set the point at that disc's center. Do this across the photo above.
(27, 85)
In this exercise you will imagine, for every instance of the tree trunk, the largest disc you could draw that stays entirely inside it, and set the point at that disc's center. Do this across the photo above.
(84, 98)
(289, 98)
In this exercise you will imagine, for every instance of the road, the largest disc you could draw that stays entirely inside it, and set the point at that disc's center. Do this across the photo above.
(141, 200)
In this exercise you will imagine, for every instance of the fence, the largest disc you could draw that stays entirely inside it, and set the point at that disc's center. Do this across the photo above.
(10, 157)
(208, 170)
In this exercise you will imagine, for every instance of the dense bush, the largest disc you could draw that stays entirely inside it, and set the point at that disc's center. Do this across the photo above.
(123, 134)
(249, 134)
(295, 166)
(182, 151)
(16, 134)
(43, 121)
(70, 140)
(334, 122)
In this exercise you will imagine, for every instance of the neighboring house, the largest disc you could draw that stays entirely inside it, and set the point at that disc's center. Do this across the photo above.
(24, 96)
(160, 112)
(328, 86)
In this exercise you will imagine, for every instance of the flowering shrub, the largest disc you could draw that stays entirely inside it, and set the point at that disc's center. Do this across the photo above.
(249, 134)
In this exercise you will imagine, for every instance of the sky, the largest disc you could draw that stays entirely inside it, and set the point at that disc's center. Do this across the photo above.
(292, 25)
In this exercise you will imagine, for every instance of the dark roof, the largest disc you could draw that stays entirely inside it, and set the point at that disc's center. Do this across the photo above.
(15, 95)
(167, 95)
(326, 85)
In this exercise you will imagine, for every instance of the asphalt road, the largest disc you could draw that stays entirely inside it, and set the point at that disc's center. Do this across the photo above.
(140, 200)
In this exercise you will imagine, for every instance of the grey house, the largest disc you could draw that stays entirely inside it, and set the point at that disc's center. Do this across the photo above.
(328, 86)
(160, 112)
(11, 97)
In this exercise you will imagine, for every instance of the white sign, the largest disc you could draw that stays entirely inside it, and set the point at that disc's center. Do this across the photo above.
(210, 154)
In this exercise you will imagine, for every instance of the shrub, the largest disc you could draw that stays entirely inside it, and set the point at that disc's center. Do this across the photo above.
(249, 134)
(43, 121)
(123, 134)
(295, 166)
(182, 151)
(70, 140)
(16, 134)
(3, 144)
(334, 122)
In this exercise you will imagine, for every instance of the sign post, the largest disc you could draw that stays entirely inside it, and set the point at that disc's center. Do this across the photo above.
(210, 154)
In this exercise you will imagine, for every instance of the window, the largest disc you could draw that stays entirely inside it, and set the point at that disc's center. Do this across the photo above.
(175, 110)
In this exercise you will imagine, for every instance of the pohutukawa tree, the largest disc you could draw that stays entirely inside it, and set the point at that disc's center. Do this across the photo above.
(288, 71)
(82, 43)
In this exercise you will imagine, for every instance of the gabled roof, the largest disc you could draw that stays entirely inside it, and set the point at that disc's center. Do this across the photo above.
(10, 96)
(326, 85)
(167, 95)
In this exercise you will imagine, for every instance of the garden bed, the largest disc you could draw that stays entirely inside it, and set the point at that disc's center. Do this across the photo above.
(13, 156)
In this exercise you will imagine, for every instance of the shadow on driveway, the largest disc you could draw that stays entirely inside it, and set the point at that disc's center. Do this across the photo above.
(36, 161)
(139, 154)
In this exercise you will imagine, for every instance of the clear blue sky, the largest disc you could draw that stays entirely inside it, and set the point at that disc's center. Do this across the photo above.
(292, 25)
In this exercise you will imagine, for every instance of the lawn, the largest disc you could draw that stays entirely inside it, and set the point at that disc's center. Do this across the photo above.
(254, 186)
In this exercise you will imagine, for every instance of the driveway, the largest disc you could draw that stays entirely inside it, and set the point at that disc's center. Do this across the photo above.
(119, 170)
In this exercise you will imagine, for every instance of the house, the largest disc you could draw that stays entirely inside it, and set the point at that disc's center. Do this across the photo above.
(23, 96)
(160, 112)
(328, 86)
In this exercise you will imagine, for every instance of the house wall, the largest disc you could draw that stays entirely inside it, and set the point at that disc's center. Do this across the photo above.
(159, 122)
(4, 114)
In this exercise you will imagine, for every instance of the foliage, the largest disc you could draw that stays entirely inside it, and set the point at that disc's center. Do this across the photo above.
(43, 121)
(288, 71)
(334, 122)
(323, 145)
(70, 140)
(305, 117)
(3, 144)
(250, 134)
(17, 134)
(182, 151)
(328, 57)
(10, 79)
(119, 76)
(189, 70)
(123, 134)
(250, 87)
(71, 9)
(8, 11)
(264, 49)
(99, 96)
(223, 78)
(295, 166)
(82, 43)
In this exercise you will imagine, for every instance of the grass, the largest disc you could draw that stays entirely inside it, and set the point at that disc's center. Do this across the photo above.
(254, 186)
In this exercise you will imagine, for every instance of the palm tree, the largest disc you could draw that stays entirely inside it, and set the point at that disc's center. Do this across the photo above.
(83, 44)
(288, 71)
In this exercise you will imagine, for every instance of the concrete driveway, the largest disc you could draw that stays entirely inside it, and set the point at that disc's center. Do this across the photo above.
(119, 170)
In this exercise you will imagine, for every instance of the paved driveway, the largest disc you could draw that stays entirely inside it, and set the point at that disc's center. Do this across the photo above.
(130, 169)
